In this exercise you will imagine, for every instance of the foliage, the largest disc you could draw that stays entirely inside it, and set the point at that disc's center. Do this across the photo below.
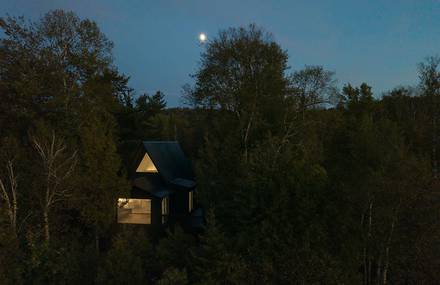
(302, 183)
(173, 276)
(173, 250)
(213, 263)
(122, 263)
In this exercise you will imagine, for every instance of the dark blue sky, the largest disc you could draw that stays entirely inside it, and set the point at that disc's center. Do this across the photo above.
(376, 41)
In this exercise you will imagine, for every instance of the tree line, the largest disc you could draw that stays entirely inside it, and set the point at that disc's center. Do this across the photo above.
(302, 182)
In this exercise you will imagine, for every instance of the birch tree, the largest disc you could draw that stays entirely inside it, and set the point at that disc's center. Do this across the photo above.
(8, 196)
(242, 74)
(57, 167)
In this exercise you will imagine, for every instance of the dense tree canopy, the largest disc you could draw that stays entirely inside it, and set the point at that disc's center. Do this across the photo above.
(301, 183)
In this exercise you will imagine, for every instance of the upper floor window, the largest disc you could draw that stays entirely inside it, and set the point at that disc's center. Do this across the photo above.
(146, 165)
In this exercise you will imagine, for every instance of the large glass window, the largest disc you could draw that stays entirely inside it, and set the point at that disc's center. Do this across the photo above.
(134, 211)
(165, 209)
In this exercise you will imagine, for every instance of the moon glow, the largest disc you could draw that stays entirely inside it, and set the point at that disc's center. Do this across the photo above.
(202, 37)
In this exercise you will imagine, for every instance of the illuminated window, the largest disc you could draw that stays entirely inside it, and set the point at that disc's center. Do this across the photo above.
(146, 165)
(134, 211)
(165, 209)
(190, 201)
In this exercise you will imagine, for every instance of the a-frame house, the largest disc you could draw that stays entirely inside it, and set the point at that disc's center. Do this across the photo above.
(163, 187)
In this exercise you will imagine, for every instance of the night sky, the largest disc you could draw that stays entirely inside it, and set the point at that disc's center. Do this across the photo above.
(376, 41)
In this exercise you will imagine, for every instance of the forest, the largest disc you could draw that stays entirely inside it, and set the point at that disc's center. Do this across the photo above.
(302, 180)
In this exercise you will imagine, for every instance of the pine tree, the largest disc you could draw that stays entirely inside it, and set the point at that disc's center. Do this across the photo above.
(157, 103)
(213, 262)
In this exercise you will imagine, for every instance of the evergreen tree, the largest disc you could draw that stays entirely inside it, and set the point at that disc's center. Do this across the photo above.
(213, 263)
(173, 276)
(157, 102)
(122, 264)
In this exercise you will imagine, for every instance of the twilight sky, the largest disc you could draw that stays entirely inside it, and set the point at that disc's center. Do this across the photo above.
(376, 41)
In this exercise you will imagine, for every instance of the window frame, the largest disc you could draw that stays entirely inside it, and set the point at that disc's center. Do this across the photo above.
(190, 201)
(165, 209)
(139, 212)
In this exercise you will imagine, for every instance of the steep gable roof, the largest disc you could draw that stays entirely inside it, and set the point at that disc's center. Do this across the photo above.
(169, 160)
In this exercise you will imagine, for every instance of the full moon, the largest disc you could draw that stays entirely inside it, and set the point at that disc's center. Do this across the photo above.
(202, 37)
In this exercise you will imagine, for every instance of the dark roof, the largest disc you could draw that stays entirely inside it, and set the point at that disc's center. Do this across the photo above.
(184, 183)
(151, 185)
(169, 160)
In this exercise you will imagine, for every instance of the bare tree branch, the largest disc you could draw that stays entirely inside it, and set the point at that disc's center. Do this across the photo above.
(56, 170)
(10, 197)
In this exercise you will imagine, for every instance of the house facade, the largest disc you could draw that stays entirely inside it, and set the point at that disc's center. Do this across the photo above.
(162, 187)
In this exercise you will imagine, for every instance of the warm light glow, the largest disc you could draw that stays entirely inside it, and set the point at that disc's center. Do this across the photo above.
(202, 37)
(146, 165)
(190, 201)
(134, 211)
(165, 209)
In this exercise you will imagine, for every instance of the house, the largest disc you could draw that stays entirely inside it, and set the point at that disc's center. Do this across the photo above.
(163, 187)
